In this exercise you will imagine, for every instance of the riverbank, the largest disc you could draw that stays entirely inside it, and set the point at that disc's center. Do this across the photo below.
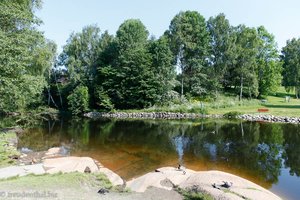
(8, 150)
(168, 115)
(52, 170)
(68, 177)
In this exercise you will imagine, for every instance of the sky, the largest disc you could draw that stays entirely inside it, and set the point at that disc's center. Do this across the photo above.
(62, 17)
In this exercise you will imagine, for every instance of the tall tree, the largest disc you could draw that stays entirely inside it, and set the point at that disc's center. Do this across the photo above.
(163, 68)
(221, 49)
(22, 63)
(269, 68)
(80, 55)
(134, 84)
(291, 65)
(190, 41)
(243, 71)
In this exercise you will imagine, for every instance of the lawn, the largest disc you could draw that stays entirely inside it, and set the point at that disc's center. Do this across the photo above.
(276, 104)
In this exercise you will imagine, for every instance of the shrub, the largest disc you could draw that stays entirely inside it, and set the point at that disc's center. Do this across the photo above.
(233, 114)
(78, 100)
(103, 100)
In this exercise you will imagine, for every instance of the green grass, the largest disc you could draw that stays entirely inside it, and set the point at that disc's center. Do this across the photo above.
(189, 194)
(74, 179)
(7, 151)
(275, 103)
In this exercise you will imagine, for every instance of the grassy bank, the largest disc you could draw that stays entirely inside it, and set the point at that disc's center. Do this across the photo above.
(7, 150)
(276, 104)
(57, 186)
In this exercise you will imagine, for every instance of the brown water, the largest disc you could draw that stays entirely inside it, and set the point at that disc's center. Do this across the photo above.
(267, 154)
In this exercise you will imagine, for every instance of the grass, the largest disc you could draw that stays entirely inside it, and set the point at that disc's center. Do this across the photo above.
(190, 194)
(74, 179)
(56, 186)
(6, 150)
(276, 105)
(241, 196)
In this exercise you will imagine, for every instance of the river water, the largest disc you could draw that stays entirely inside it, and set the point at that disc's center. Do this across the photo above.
(265, 153)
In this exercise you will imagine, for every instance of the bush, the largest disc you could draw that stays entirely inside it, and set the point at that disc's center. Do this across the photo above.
(233, 114)
(78, 100)
(103, 100)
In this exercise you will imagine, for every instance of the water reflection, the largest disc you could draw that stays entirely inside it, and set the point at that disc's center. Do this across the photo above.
(257, 151)
(181, 143)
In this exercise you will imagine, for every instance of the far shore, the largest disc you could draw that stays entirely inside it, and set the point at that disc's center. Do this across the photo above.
(259, 117)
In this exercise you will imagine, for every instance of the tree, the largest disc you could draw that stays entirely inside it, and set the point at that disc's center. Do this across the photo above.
(163, 68)
(189, 42)
(269, 68)
(242, 72)
(291, 65)
(134, 84)
(221, 49)
(79, 100)
(80, 55)
(24, 55)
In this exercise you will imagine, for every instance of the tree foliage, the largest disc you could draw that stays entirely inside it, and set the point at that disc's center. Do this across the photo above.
(78, 100)
(130, 70)
(269, 68)
(189, 42)
(291, 67)
(25, 55)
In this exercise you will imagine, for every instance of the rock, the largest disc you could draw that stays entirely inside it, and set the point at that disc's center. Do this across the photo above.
(114, 178)
(69, 164)
(12, 171)
(209, 182)
(87, 170)
(25, 150)
(103, 191)
(56, 152)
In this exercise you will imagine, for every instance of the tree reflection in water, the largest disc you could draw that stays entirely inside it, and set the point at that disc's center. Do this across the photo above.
(257, 151)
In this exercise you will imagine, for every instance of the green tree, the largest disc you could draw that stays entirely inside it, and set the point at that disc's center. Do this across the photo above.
(269, 68)
(221, 49)
(24, 55)
(189, 42)
(80, 55)
(79, 100)
(134, 84)
(243, 69)
(291, 65)
(163, 68)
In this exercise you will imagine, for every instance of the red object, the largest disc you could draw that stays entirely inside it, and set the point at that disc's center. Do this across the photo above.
(263, 110)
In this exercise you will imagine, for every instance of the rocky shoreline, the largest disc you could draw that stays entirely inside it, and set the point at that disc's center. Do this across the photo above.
(58, 160)
(170, 115)
(270, 118)
(146, 115)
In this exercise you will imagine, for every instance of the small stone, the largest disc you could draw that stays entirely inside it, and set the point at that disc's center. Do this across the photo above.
(103, 191)
(87, 170)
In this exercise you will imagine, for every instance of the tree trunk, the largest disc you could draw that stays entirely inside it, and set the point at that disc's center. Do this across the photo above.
(241, 88)
(181, 96)
(60, 98)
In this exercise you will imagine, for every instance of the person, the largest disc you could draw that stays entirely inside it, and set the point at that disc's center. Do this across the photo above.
(181, 168)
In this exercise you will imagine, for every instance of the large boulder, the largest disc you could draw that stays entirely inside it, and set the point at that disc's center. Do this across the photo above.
(210, 182)
(79, 164)
(69, 164)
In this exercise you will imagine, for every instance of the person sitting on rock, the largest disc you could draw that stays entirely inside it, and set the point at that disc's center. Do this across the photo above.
(181, 168)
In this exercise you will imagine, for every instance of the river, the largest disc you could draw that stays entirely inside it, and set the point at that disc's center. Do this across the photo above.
(265, 153)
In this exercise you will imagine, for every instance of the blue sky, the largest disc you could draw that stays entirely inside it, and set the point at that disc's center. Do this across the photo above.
(61, 17)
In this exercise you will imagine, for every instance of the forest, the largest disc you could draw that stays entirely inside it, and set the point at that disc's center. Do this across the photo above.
(195, 59)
